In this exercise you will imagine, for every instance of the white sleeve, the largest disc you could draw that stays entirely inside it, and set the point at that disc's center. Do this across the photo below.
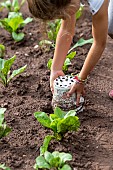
(110, 17)
(95, 5)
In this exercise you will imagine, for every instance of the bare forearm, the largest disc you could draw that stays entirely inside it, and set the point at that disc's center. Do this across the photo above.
(63, 43)
(92, 59)
(62, 46)
(99, 30)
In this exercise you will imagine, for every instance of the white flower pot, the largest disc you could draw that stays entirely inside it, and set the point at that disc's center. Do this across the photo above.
(61, 86)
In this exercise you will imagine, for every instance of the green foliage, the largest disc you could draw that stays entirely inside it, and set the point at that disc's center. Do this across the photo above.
(80, 11)
(4, 129)
(67, 62)
(2, 166)
(12, 6)
(13, 24)
(55, 160)
(52, 31)
(47, 42)
(45, 145)
(2, 50)
(5, 66)
(81, 42)
(71, 54)
(60, 122)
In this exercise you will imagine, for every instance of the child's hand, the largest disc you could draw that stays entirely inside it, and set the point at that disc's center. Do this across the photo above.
(77, 88)
(53, 76)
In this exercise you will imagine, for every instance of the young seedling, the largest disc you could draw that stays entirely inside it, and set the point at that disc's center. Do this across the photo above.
(2, 166)
(13, 24)
(71, 54)
(53, 161)
(4, 129)
(67, 62)
(2, 50)
(12, 6)
(60, 122)
(5, 66)
(80, 11)
(81, 42)
(53, 29)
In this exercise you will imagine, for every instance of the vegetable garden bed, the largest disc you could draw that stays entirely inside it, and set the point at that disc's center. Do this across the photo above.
(92, 146)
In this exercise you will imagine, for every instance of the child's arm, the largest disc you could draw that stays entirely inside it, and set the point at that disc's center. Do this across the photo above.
(99, 30)
(63, 42)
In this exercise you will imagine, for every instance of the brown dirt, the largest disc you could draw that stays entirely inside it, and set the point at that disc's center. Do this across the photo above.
(92, 145)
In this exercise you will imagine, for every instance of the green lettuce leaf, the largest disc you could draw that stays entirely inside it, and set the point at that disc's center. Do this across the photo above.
(66, 167)
(16, 72)
(43, 118)
(41, 163)
(2, 166)
(18, 36)
(45, 145)
(71, 123)
(2, 110)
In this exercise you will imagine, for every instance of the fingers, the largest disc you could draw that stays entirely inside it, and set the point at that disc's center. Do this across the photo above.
(51, 86)
(78, 99)
(71, 91)
(53, 76)
(52, 90)
(84, 92)
(79, 90)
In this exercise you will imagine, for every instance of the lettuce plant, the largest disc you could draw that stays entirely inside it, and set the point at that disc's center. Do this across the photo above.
(60, 122)
(12, 6)
(2, 50)
(53, 161)
(80, 11)
(13, 24)
(2, 166)
(5, 73)
(81, 42)
(71, 54)
(4, 129)
(67, 62)
(53, 29)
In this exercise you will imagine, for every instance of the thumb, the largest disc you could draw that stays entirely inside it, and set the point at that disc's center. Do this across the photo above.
(60, 73)
(78, 99)
(71, 91)
(52, 86)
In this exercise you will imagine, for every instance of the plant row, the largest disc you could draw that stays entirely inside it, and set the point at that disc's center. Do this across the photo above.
(59, 122)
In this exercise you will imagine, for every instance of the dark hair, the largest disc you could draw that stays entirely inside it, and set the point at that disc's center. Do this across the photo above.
(49, 9)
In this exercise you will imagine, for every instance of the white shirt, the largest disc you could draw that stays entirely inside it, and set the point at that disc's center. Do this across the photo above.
(95, 5)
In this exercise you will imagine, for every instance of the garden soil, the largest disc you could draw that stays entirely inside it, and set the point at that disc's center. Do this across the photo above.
(92, 146)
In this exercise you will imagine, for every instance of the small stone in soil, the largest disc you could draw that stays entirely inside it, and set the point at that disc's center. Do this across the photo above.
(36, 46)
(26, 55)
